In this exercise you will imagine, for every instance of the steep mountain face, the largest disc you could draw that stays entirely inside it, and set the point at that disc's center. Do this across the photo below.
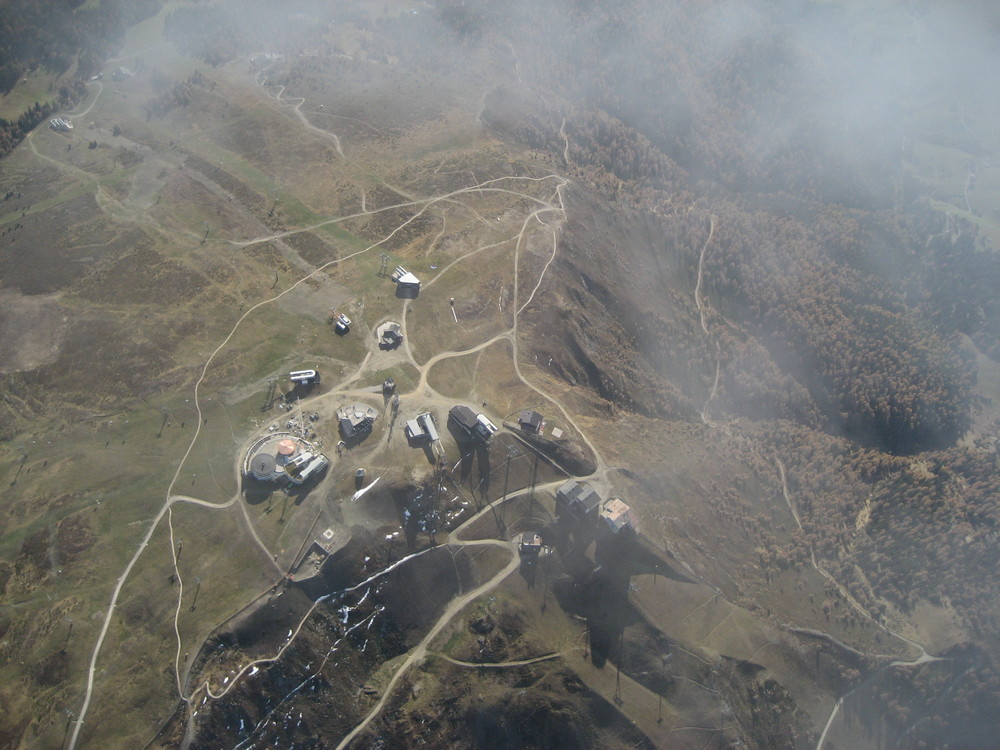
(809, 258)
(754, 247)
(620, 317)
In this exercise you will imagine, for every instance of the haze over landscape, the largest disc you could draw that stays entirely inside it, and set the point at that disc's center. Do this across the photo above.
(479, 374)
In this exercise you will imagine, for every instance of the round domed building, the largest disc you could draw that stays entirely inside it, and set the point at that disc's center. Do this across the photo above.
(263, 466)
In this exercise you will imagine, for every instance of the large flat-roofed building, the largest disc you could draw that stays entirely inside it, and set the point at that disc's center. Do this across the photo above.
(315, 465)
(579, 499)
(414, 430)
(463, 417)
(422, 428)
(304, 465)
(426, 420)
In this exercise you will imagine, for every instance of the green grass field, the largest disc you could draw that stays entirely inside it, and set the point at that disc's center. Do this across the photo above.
(35, 86)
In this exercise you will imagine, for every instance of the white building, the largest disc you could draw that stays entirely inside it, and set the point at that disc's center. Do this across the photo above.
(404, 279)
(422, 427)
(304, 377)
(414, 430)
(429, 427)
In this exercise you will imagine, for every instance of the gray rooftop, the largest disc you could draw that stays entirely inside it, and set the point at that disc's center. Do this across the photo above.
(577, 494)
(464, 416)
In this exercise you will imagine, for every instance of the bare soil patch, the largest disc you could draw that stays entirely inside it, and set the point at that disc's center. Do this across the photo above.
(315, 298)
(32, 328)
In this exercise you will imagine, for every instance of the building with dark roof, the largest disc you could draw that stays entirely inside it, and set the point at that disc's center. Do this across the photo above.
(463, 417)
(407, 284)
(356, 420)
(389, 335)
(578, 499)
(530, 421)
(476, 426)
(529, 543)
(263, 467)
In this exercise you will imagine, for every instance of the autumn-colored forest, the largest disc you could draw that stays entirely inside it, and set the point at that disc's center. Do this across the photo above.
(843, 300)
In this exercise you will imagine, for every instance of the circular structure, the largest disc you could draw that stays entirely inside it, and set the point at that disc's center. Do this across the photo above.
(280, 456)
(263, 466)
